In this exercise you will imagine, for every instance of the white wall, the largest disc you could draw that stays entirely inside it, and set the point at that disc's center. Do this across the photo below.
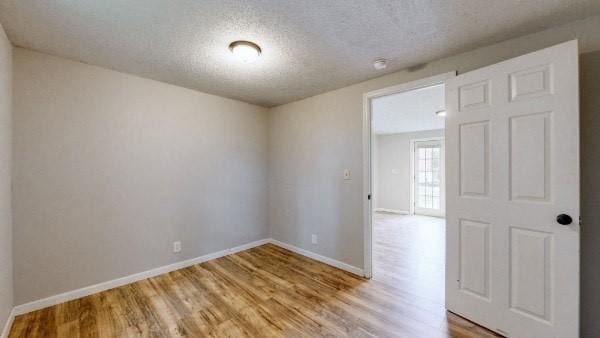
(313, 140)
(6, 260)
(393, 168)
(110, 169)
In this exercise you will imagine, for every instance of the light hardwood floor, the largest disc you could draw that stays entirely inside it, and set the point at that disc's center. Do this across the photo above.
(271, 292)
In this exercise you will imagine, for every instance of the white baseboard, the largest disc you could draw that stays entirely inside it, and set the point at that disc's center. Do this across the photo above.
(320, 258)
(8, 325)
(92, 289)
(393, 211)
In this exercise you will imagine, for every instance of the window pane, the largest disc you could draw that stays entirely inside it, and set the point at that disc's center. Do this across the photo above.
(435, 163)
(428, 162)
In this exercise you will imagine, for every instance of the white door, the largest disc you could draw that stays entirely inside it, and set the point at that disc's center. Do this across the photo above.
(512, 149)
(428, 177)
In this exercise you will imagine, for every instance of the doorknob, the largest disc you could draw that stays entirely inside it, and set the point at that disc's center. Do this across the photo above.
(564, 219)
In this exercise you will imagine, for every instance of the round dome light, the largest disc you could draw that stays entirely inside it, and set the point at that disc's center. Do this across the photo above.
(246, 51)
(440, 113)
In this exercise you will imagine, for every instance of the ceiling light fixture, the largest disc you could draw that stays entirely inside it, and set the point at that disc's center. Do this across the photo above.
(441, 113)
(246, 51)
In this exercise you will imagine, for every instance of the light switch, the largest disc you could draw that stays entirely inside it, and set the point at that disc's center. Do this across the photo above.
(346, 174)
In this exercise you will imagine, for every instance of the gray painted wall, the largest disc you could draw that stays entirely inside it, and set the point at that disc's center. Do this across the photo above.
(6, 261)
(110, 169)
(393, 174)
(590, 193)
(312, 140)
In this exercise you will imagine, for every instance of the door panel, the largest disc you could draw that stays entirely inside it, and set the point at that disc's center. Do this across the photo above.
(530, 271)
(474, 95)
(475, 258)
(474, 159)
(512, 164)
(530, 143)
(530, 83)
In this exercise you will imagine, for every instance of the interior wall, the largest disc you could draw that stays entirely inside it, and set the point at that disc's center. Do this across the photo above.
(590, 193)
(312, 140)
(6, 260)
(393, 168)
(110, 169)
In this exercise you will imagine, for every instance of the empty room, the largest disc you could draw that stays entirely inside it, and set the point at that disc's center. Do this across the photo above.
(408, 226)
(369, 168)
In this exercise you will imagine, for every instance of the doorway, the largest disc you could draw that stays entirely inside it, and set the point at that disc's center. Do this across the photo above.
(407, 135)
(406, 237)
(390, 138)
(512, 132)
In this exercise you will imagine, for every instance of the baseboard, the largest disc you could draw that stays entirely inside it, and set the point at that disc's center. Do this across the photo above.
(393, 211)
(92, 289)
(329, 261)
(8, 325)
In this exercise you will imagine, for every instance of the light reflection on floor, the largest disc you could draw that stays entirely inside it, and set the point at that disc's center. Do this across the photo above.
(409, 250)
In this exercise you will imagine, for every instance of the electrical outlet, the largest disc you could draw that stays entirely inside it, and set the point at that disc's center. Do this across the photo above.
(346, 174)
(176, 247)
(314, 239)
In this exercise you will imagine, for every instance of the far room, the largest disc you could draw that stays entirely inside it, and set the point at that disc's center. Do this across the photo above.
(407, 166)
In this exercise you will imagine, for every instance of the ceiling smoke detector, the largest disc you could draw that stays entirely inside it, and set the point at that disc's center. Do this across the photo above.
(380, 64)
(246, 51)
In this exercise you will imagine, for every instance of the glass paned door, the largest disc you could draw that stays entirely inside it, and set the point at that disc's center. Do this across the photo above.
(428, 174)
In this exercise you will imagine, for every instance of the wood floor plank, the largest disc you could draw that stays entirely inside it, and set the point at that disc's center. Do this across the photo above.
(272, 292)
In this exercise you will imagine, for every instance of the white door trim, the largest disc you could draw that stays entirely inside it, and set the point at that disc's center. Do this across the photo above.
(367, 175)
(412, 171)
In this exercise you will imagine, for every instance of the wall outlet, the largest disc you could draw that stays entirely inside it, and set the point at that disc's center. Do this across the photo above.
(314, 239)
(346, 174)
(176, 247)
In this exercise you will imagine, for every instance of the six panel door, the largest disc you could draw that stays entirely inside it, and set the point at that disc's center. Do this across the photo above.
(512, 151)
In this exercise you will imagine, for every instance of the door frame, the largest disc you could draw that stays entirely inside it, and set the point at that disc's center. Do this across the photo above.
(367, 138)
(442, 140)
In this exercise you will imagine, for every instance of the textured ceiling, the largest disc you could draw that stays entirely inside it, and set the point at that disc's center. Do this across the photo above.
(409, 111)
(309, 47)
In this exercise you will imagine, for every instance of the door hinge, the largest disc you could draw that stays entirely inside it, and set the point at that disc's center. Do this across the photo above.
(369, 197)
